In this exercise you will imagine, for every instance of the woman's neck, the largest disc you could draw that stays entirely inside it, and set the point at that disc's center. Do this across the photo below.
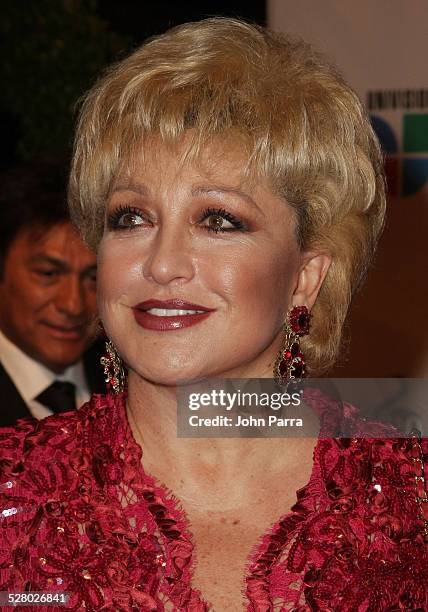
(204, 465)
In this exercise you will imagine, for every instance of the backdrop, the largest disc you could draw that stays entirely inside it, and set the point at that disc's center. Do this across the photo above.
(380, 48)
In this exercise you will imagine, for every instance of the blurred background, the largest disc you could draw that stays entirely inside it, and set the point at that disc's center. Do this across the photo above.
(53, 50)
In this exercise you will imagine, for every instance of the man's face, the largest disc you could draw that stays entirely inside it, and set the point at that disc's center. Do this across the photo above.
(48, 295)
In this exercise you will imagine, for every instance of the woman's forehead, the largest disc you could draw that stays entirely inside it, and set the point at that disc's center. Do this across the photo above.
(224, 161)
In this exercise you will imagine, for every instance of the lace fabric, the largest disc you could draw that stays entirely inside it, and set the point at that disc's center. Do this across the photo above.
(79, 515)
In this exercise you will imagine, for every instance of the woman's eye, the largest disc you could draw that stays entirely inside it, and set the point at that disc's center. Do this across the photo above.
(129, 219)
(125, 218)
(216, 222)
(220, 220)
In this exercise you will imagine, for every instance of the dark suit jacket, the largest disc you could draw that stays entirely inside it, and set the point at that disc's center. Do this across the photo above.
(13, 406)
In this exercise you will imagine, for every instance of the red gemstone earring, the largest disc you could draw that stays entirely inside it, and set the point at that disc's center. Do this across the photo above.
(114, 370)
(290, 364)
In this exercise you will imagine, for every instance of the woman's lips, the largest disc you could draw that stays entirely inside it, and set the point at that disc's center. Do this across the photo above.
(167, 315)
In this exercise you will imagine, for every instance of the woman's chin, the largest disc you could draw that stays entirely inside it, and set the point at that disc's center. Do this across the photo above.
(168, 377)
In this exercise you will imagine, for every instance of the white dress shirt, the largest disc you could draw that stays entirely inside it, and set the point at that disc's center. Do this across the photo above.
(31, 377)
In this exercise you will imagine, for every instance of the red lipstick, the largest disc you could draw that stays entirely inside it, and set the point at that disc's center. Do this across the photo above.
(160, 320)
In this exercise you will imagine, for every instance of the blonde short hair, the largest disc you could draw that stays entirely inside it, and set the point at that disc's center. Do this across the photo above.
(303, 128)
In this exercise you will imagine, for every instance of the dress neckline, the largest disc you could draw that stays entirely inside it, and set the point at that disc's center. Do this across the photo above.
(177, 565)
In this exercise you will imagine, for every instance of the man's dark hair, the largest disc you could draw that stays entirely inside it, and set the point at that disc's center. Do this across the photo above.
(31, 196)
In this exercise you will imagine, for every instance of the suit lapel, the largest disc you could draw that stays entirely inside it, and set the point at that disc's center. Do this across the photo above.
(93, 370)
(12, 406)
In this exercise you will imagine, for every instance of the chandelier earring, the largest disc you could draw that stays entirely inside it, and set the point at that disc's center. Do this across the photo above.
(114, 369)
(290, 365)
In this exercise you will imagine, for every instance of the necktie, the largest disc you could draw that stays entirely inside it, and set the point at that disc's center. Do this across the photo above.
(60, 396)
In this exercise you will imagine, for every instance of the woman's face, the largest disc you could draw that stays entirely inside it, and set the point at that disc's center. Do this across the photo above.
(198, 268)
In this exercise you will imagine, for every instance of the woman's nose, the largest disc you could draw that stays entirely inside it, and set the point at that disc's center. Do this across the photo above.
(170, 257)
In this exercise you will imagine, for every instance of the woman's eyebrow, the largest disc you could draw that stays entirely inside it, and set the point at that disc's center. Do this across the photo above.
(142, 190)
(226, 190)
(130, 186)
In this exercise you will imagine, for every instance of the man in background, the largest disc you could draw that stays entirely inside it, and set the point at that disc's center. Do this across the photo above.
(47, 299)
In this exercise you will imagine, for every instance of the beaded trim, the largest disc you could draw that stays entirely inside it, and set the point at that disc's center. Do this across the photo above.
(417, 457)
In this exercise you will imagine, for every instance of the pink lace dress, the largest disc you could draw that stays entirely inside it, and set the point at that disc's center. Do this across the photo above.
(79, 515)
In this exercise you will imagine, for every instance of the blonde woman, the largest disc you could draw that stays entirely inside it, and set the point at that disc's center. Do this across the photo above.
(226, 176)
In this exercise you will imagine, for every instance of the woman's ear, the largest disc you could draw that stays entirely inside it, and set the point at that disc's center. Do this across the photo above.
(311, 276)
